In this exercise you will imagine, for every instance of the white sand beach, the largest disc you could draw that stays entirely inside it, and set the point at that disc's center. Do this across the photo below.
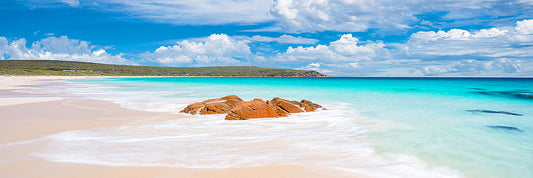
(27, 117)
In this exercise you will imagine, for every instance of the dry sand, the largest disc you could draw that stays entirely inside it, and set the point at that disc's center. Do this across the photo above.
(26, 117)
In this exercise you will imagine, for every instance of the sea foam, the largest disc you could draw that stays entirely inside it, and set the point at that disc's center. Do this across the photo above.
(333, 138)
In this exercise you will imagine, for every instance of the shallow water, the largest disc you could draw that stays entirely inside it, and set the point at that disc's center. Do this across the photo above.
(406, 127)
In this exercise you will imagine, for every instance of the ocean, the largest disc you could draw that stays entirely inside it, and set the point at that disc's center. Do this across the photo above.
(373, 127)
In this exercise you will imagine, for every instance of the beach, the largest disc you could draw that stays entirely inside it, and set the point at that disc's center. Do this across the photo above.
(373, 127)
(27, 117)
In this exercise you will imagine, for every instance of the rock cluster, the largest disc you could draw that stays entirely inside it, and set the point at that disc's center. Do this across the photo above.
(237, 109)
(213, 106)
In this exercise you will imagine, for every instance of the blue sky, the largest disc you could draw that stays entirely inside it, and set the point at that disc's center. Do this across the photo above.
(335, 37)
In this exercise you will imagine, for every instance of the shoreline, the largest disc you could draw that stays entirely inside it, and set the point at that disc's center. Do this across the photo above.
(370, 77)
(28, 118)
(34, 112)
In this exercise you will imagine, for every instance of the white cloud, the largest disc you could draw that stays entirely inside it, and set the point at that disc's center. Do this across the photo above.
(500, 51)
(309, 15)
(198, 12)
(360, 15)
(484, 43)
(525, 27)
(495, 51)
(73, 3)
(337, 15)
(312, 66)
(54, 48)
(315, 67)
(288, 39)
(347, 48)
(501, 66)
(341, 57)
(217, 49)
(489, 33)
(457, 34)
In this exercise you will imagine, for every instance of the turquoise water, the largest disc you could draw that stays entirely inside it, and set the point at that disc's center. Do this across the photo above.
(447, 124)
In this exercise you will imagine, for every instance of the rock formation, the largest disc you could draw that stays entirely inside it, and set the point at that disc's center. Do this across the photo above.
(286, 105)
(256, 108)
(213, 106)
(238, 109)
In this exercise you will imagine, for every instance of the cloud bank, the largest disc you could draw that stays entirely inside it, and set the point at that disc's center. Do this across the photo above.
(217, 49)
(296, 16)
(57, 48)
(285, 39)
(498, 51)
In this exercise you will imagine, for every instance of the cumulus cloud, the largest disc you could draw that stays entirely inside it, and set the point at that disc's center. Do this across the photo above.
(217, 49)
(495, 51)
(312, 66)
(287, 39)
(347, 48)
(457, 34)
(340, 57)
(315, 67)
(57, 48)
(500, 51)
(525, 27)
(484, 43)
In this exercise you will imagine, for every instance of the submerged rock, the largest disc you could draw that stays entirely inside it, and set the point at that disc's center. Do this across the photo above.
(494, 112)
(508, 128)
(518, 94)
(309, 106)
(238, 109)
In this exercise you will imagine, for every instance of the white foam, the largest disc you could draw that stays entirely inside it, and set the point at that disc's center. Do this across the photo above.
(152, 101)
(333, 138)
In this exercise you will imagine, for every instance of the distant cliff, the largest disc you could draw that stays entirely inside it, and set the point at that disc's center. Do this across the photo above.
(70, 68)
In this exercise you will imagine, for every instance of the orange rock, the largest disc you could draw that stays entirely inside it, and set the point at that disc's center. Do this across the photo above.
(289, 106)
(216, 108)
(256, 108)
(281, 112)
(213, 106)
(231, 97)
(309, 106)
(232, 100)
(193, 108)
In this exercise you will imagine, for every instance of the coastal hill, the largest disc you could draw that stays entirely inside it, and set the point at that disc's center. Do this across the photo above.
(70, 68)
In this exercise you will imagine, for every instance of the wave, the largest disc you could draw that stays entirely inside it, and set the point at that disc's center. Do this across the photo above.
(332, 138)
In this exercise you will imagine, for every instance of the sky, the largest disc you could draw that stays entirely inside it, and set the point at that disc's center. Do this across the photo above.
(376, 38)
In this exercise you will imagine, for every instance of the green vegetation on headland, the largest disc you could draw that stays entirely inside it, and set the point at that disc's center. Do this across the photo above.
(70, 68)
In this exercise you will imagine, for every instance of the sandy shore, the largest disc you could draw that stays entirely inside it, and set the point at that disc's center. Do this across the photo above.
(27, 117)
